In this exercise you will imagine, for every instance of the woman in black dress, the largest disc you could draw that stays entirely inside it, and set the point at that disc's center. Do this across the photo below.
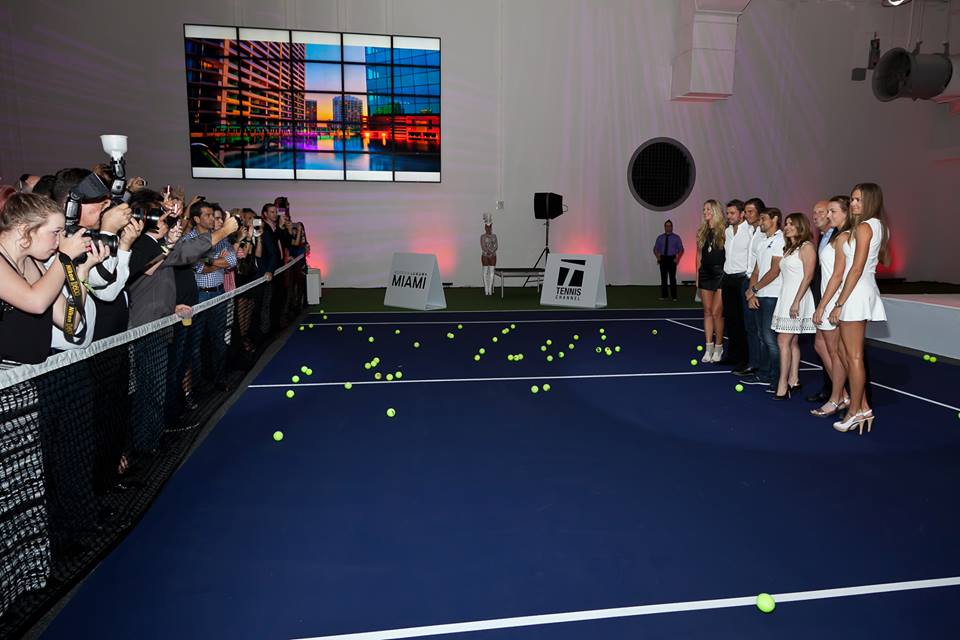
(710, 257)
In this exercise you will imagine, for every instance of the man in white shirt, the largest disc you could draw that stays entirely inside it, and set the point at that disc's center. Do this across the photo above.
(765, 283)
(751, 317)
(738, 236)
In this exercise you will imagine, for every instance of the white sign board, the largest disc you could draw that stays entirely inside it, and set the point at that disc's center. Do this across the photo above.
(414, 282)
(573, 280)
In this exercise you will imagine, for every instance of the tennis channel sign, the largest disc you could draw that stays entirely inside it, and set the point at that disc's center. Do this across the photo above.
(573, 280)
(415, 282)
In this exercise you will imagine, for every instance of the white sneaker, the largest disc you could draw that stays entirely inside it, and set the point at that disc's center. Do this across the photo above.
(717, 353)
(708, 353)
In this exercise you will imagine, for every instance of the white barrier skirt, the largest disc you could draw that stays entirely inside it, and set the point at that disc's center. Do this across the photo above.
(573, 280)
(414, 282)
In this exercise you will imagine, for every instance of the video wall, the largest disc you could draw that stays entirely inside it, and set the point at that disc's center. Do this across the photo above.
(309, 105)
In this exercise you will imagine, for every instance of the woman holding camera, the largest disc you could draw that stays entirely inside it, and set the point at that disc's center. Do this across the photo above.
(31, 232)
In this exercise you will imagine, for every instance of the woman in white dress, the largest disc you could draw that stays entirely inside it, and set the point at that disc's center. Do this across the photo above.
(793, 314)
(859, 301)
(832, 263)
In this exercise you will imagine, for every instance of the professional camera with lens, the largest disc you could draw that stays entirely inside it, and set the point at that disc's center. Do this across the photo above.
(90, 189)
(149, 217)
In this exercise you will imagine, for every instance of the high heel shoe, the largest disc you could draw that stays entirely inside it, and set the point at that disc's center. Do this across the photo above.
(794, 388)
(856, 421)
(786, 396)
(820, 413)
(844, 404)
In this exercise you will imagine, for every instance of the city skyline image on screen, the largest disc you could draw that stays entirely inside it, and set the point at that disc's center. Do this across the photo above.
(309, 105)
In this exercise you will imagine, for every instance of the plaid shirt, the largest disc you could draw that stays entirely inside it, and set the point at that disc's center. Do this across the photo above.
(214, 278)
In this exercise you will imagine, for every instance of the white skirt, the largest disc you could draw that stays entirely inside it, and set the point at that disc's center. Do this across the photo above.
(825, 324)
(803, 323)
(864, 303)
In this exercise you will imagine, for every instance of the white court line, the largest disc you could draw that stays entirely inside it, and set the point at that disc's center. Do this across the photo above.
(626, 612)
(447, 322)
(876, 384)
(290, 385)
(406, 311)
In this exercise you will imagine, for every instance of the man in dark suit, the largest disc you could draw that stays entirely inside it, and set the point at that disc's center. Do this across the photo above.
(669, 250)
(822, 222)
(271, 259)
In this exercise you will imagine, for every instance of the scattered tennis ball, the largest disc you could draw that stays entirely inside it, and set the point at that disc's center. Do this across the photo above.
(609, 353)
(278, 435)
(510, 357)
(534, 389)
(549, 342)
(290, 393)
(302, 327)
(543, 347)
(377, 375)
(519, 356)
(546, 386)
(505, 331)
(324, 317)
(370, 339)
(416, 345)
(391, 412)
(739, 387)
(360, 327)
(654, 332)
(513, 326)
(693, 362)
(310, 326)
(560, 354)
(348, 386)
(576, 336)
(398, 375)
(766, 603)
(322, 311)
(309, 372)
(604, 338)
(339, 327)
(699, 347)
(459, 326)
(375, 361)
(933, 359)
(295, 379)
(549, 358)
(495, 338)
(477, 357)
(926, 356)
(602, 330)
(449, 335)
(390, 377)
(367, 365)
(617, 348)
(396, 332)
(570, 346)
(599, 349)
(303, 369)
(482, 351)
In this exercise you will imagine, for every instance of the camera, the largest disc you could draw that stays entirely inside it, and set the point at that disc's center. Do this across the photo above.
(108, 240)
(149, 217)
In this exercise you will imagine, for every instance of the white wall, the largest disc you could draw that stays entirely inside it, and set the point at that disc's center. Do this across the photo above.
(538, 95)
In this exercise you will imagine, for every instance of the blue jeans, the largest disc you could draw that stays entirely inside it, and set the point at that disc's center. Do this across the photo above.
(770, 362)
(752, 322)
(208, 327)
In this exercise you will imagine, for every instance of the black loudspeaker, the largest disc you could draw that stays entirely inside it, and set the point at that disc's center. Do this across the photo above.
(547, 206)
(907, 74)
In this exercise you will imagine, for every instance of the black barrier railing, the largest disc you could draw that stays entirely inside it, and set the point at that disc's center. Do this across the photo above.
(88, 438)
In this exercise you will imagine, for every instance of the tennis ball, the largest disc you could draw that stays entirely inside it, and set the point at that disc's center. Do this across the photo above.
(609, 353)
(359, 327)
(693, 362)
(519, 356)
(370, 339)
(543, 347)
(576, 336)
(560, 354)
(322, 311)
(602, 330)
(926, 356)
(302, 327)
(699, 347)
(309, 372)
(348, 386)
(513, 326)
(549, 358)
(505, 331)
(310, 325)
(617, 348)
(459, 326)
(290, 393)
(766, 603)
(477, 357)
(570, 346)
(377, 375)
(367, 365)
(933, 359)
(534, 389)
(390, 377)
(495, 338)
(546, 386)
(510, 357)
(416, 345)
(599, 349)
(654, 332)
(295, 379)
(324, 317)
(278, 435)
(604, 338)
(375, 361)
(396, 332)
(549, 342)
(398, 375)
(391, 412)
(339, 327)
(303, 369)
(482, 351)
(739, 387)
(449, 335)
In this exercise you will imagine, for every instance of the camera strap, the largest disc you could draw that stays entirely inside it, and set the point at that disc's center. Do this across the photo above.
(73, 311)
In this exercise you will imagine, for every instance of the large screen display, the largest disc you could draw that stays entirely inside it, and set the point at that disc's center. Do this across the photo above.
(309, 105)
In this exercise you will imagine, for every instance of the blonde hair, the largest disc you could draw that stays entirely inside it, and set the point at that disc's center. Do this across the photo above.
(717, 222)
(27, 210)
(871, 206)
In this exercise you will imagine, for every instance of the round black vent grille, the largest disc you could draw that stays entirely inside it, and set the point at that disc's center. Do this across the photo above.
(661, 174)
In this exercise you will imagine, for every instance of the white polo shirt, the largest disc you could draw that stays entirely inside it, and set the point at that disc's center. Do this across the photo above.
(756, 239)
(737, 248)
(766, 252)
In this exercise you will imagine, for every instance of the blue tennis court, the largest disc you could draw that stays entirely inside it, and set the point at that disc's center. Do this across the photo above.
(640, 497)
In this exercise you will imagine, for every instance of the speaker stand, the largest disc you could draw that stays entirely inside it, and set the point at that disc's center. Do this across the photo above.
(545, 254)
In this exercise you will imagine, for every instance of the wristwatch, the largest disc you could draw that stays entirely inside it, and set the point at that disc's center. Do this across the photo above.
(755, 290)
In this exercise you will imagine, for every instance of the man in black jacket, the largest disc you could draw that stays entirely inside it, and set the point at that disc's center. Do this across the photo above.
(271, 258)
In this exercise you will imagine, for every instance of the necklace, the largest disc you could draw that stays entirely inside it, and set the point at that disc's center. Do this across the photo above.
(12, 261)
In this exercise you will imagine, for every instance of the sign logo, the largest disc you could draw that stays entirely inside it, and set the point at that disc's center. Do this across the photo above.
(570, 279)
(409, 279)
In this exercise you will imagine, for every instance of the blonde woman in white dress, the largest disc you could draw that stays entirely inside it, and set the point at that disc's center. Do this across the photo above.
(793, 314)
(832, 264)
(859, 301)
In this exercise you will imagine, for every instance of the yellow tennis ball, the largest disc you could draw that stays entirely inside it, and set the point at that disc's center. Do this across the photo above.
(549, 358)
(477, 357)
(560, 354)
(377, 375)
(459, 326)
(546, 386)
(416, 345)
(309, 372)
(603, 337)
(699, 347)
(370, 339)
(348, 386)
(617, 348)
(654, 332)
(295, 379)
(482, 351)
(290, 393)
(602, 330)
(510, 357)
(549, 342)
(367, 365)
(324, 317)
(543, 347)
(450, 335)
(513, 326)
(360, 328)
(766, 603)
(534, 389)
(391, 412)
(390, 377)
(339, 327)
(396, 332)
(505, 331)
(693, 362)
(302, 327)
(303, 369)
(933, 359)
(570, 346)
(278, 435)
(311, 325)
(495, 338)
(576, 336)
